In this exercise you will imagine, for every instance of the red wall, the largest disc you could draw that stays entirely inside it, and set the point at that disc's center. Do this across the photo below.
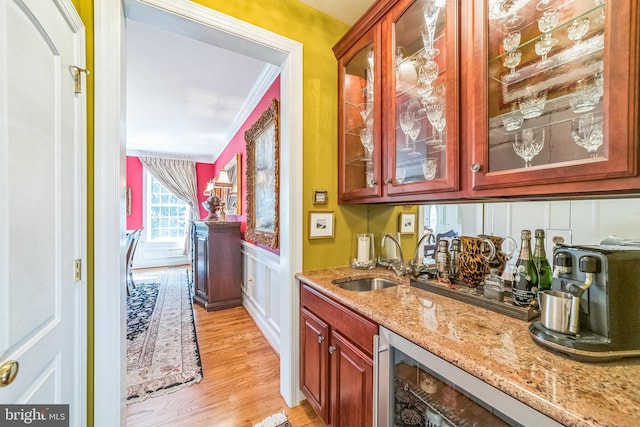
(204, 171)
(238, 145)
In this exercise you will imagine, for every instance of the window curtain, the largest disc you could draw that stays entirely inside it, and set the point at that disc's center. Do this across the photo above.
(179, 177)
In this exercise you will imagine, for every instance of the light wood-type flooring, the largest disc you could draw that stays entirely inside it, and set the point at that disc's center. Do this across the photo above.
(241, 383)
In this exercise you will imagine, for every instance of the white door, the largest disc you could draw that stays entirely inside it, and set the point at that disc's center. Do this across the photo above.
(42, 205)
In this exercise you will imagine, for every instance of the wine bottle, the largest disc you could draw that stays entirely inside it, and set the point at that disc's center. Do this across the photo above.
(525, 276)
(545, 275)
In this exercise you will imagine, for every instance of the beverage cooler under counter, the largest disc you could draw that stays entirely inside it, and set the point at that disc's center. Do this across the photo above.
(417, 388)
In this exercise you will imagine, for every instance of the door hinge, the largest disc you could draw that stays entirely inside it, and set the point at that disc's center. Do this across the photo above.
(77, 77)
(77, 270)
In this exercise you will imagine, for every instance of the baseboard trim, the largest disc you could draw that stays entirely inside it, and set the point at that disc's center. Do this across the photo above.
(263, 324)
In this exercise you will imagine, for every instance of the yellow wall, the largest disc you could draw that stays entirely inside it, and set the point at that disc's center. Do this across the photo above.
(318, 33)
(85, 10)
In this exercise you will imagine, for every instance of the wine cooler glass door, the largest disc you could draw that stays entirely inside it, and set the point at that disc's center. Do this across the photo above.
(419, 388)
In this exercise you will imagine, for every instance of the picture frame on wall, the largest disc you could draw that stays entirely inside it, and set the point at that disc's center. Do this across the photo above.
(320, 197)
(262, 178)
(407, 223)
(321, 225)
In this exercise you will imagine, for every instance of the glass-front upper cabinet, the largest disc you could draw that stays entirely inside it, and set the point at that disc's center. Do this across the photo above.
(420, 97)
(359, 119)
(556, 96)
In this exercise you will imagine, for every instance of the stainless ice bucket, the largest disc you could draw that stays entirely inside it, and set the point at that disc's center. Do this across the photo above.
(559, 311)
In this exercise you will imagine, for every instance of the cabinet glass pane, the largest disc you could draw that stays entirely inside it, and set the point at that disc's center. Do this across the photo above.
(358, 119)
(420, 70)
(545, 83)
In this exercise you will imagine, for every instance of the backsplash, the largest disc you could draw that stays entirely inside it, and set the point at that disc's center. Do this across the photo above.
(578, 221)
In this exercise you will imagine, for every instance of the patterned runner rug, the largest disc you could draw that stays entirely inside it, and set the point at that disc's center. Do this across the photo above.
(162, 347)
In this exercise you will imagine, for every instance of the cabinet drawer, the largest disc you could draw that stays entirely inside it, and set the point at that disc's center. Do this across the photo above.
(357, 328)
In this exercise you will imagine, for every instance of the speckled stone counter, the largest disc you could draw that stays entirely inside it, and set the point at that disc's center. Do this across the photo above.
(497, 349)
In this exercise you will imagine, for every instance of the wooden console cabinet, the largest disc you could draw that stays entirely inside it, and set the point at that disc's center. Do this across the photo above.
(336, 360)
(217, 265)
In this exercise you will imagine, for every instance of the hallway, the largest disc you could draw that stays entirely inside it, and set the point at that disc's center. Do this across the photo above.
(240, 385)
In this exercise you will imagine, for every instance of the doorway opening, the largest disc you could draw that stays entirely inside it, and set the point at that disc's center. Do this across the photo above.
(192, 20)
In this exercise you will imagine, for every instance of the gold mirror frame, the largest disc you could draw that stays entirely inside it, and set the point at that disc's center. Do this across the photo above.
(263, 178)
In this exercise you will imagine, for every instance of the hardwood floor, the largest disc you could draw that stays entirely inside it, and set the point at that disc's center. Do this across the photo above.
(241, 383)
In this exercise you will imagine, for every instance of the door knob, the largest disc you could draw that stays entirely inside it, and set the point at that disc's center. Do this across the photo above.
(8, 372)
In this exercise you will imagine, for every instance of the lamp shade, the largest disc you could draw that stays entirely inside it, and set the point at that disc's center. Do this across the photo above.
(210, 186)
(223, 181)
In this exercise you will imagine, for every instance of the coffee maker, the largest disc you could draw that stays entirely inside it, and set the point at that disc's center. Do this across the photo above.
(604, 283)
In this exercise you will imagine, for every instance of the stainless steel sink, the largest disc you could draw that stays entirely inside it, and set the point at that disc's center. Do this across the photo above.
(364, 284)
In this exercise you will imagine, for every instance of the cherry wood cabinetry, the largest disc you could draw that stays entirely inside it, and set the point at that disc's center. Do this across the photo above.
(398, 114)
(217, 266)
(336, 360)
(525, 98)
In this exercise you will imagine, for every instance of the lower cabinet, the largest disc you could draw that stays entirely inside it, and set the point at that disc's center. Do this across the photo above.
(336, 360)
(217, 265)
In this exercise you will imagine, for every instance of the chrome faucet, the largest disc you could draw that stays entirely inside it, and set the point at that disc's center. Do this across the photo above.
(398, 269)
(413, 265)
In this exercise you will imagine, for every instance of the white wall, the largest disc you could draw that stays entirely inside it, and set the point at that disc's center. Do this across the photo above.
(582, 222)
(579, 222)
(262, 287)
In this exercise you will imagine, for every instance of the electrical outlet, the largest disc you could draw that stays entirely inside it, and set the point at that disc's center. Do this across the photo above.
(550, 233)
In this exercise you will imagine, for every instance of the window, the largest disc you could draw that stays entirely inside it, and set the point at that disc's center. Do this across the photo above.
(167, 217)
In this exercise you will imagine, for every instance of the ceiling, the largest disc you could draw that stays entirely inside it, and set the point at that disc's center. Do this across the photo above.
(187, 98)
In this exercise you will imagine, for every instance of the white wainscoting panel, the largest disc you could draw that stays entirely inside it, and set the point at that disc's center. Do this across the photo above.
(262, 286)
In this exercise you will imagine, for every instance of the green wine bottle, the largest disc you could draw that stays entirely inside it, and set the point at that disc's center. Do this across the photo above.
(545, 274)
(525, 276)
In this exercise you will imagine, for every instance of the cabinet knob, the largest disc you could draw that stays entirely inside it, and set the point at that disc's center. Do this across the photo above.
(331, 349)
(475, 167)
(320, 339)
(387, 181)
(373, 182)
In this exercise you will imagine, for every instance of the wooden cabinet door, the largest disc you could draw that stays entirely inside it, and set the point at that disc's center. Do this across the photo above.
(201, 265)
(553, 97)
(420, 97)
(351, 383)
(359, 134)
(314, 352)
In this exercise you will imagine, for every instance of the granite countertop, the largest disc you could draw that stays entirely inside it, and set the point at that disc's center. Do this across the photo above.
(497, 349)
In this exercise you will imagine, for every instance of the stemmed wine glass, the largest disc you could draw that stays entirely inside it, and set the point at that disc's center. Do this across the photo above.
(407, 122)
(511, 41)
(366, 138)
(434, 107)
(438, 143)
(547, 22)
(413, 134)
(430, 12)
(429, 168)
(577, 30)
(543, 47)
(529, 144)
(511, 61)
(401, 174)
(587, 133)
